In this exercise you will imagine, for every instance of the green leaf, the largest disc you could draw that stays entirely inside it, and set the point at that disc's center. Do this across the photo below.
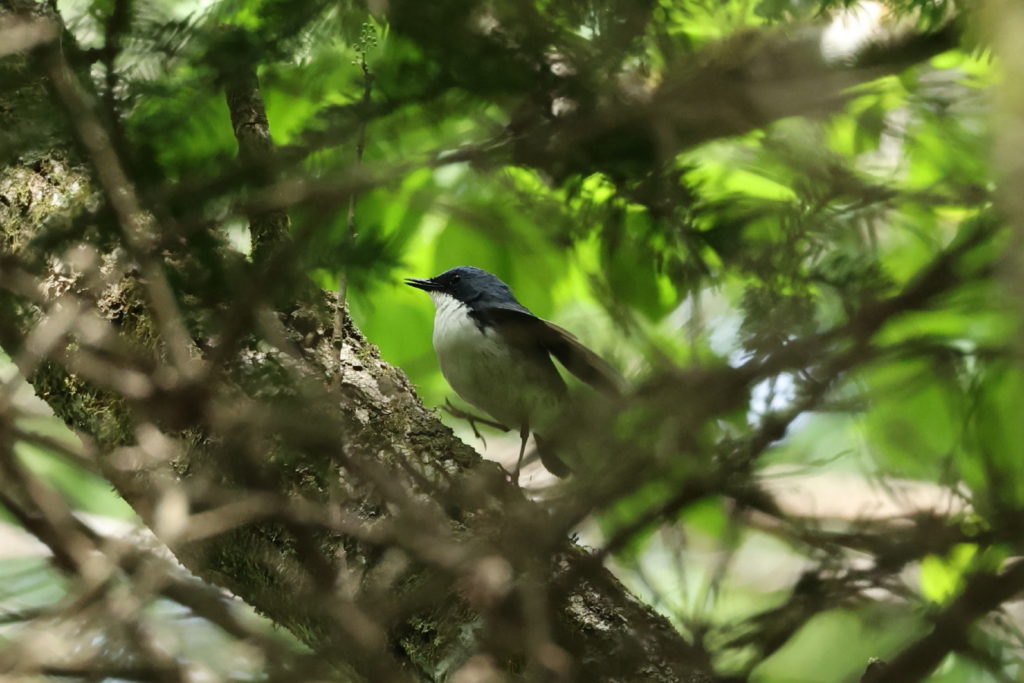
(942, 578)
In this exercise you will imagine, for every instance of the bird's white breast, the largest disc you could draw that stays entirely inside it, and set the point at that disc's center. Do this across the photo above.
(488, 373)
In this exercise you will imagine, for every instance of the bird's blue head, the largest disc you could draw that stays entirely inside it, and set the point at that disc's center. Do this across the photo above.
(471, 286)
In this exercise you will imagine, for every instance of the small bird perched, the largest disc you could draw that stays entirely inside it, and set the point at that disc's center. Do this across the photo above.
(496, 355)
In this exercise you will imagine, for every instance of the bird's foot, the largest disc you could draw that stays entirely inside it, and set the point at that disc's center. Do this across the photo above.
(524, 434)
(513, 477)
(473, 419)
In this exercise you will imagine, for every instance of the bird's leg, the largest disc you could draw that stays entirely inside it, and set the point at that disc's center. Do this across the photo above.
(524, 434)
(473, 419)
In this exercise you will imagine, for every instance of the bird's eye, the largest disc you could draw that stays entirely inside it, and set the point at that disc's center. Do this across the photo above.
(456, 278)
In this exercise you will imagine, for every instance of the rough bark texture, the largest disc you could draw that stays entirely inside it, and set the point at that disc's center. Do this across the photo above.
(277, 568)
(255, 147)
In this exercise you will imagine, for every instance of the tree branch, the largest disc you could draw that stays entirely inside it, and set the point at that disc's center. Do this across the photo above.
(255, 148)
(982, 594)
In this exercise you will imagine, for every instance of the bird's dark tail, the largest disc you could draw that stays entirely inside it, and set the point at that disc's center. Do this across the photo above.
(554, 464)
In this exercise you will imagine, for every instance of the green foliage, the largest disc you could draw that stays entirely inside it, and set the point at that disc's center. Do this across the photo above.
(942, 578)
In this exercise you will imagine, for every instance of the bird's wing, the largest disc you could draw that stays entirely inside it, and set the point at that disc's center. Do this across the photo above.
(523, 328)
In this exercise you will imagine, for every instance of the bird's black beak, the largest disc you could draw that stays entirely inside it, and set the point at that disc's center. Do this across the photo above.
(425, 285)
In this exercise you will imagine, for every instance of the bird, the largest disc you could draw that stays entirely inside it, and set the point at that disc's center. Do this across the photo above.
(497, 356)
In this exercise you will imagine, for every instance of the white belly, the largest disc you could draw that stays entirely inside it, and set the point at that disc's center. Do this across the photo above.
(496, 378)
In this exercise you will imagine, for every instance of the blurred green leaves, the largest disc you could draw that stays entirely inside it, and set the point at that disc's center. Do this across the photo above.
(943, 577)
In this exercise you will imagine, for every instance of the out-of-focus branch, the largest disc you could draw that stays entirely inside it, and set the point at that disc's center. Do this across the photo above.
(725, 88)
(143, 674)
(729, 87)
(42, 512)
(20, 33)
(81, 553)
(827, 356)
(982, 594)
(135, 223)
